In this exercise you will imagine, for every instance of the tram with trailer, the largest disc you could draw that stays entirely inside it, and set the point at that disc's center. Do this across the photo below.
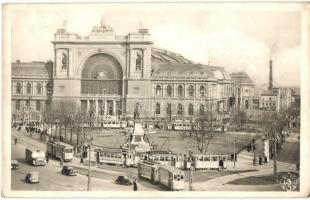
(171, 177)
(60, 150)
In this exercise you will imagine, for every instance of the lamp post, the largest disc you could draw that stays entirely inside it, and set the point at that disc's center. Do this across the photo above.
(89, 151)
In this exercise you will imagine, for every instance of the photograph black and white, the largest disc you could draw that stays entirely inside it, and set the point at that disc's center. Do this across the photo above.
(154, 98)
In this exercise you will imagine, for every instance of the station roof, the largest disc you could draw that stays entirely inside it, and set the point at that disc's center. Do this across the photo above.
(166, 64)
(32, 69)
(241, 78)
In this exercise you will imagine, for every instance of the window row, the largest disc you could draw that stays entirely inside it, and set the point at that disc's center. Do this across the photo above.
(27, 105)
(180, 109)
(268, 104)
(180, 91)
(19, 88)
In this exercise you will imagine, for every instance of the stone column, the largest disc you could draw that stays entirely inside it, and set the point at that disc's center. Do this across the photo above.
(105, 107)
(87, 106)
(114, 107)
(96, 107)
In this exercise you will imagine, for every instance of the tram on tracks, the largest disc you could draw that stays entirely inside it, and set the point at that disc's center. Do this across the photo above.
(60, 150)
(209, 161)
(164, 158)
(117, 156)
(149, 171)
(171, 177)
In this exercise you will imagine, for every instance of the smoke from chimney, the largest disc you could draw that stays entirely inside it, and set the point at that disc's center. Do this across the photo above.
(270, 75)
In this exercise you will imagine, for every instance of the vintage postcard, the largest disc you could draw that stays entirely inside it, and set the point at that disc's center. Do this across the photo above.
(155, 100)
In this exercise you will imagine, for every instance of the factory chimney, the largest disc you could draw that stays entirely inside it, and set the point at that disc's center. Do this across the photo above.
(270, 75)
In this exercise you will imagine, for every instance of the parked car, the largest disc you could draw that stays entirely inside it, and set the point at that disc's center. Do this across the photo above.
(68, 171)
(123, 180)
(14, 164)
(32, 177)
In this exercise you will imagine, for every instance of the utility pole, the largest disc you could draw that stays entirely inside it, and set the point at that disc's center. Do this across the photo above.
(89, 153)
(275, 156)
(234, 152)
(191, 179)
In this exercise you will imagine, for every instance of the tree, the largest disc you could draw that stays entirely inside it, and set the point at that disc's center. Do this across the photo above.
(274, 123)
(203, 130)
(239, 118)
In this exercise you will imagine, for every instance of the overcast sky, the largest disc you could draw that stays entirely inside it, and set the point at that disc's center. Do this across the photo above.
(242, 40)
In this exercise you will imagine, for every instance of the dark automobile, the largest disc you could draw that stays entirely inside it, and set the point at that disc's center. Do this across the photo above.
(14, 164)
(123, 180)
(32, 177)
(68, 170)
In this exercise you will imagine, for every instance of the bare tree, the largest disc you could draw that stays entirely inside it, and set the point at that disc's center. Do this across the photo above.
(239, 118)
(274, 123)
(202, 127)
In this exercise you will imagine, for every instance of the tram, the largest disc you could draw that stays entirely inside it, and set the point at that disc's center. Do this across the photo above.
(60, 150)
(113, 156)
(164, 158)
(149, 170)
(112, 123)
(205, 161)
(117, 156)
(171, 177)
(182, 126)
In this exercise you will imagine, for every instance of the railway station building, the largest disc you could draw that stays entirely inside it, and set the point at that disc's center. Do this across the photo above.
(115, 75)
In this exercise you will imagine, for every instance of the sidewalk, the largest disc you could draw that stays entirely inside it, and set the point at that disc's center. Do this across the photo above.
(244, 161)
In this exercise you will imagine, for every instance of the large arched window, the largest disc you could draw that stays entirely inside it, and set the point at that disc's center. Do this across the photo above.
(157, 111)
(202, 91)
(180, 91)
(39, 88)
(169, 110)
(158, 90)
(191, 91)
(18, 88)
(201, 110)
(180, 109)
(190, 109)
(28, 88)
(169, 91)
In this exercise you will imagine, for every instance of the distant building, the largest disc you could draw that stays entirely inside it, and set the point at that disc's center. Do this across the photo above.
(268, 100)
(245, 90)
(31, 89)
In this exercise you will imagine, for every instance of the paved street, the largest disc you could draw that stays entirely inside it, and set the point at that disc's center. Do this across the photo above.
(103, 177)
(52, 179)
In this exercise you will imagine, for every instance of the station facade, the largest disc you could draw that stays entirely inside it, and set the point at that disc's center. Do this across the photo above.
(117, 75)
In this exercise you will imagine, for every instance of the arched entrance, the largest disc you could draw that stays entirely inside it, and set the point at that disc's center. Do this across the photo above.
(101, 85)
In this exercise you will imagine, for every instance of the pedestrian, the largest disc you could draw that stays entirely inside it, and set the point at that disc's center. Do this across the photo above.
(82, 159)
(221, 165)
(47, 157)
(135, 186)
(61, 162)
